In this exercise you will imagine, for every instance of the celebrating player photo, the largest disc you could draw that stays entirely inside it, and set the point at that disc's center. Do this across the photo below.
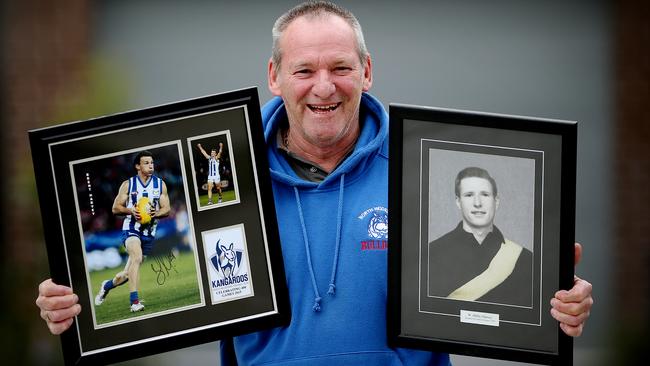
(139, 250)
(213, 170)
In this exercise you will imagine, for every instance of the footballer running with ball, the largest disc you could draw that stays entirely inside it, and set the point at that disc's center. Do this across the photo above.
(143, 200)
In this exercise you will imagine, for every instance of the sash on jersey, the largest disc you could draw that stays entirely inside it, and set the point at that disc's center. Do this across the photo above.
(500, 267)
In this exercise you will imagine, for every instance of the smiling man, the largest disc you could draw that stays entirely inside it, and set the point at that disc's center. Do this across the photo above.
(475, 261)
(327, 147)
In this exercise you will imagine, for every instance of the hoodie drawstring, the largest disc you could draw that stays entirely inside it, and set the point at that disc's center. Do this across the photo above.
(332, 286)
(339, 217)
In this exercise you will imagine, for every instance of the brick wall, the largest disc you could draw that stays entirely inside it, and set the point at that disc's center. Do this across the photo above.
(632, 298)
(45, 50)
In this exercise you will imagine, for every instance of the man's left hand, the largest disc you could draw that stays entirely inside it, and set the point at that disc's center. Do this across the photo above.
(571, 308)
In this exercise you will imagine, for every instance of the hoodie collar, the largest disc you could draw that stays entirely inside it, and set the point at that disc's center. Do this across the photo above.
(374, 126)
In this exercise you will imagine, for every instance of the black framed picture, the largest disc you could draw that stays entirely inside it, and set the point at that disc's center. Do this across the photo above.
(481, 232)
(163, 223)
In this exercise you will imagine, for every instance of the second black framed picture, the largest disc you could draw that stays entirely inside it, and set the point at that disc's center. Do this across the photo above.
(481, 232)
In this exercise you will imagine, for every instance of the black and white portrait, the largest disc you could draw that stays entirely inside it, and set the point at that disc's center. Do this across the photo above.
(480, 227)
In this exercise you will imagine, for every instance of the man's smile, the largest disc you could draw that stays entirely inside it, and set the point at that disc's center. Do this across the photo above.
(323, 108)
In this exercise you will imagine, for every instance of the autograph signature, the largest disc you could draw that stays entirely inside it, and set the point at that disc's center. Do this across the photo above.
(163, 266)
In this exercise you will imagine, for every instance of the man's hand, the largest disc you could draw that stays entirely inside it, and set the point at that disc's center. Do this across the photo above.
(571, 308)
(136, 213)
(58, 306)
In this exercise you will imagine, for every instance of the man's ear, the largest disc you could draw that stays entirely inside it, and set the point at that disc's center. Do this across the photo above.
(367, 74)
(496, 203)
(458, 202)
(274, 85)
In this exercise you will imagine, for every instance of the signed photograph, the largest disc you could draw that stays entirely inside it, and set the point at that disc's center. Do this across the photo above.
(139, 253)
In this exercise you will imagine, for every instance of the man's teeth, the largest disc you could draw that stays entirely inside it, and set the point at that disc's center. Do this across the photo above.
(323, 108)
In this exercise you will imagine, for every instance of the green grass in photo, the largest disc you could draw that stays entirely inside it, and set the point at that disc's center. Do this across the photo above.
(227, 196)
(163, 286)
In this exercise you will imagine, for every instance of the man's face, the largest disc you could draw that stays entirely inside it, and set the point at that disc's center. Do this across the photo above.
(320, 79)
(477, 203)
(145, 166)
(213, 153)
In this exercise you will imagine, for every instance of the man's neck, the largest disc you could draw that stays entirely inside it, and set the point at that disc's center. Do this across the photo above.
(326, 156)
(479, 233)
(143, 177)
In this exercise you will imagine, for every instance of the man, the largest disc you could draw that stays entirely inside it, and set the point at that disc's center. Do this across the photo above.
(474, 261)
(214, 178)
(143, 200)
(323, 127)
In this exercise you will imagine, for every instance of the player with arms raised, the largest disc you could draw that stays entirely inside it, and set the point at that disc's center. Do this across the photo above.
(214, 179)
(143, 200)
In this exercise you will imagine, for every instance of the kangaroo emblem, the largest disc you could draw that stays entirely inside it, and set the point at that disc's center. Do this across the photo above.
(227, 260)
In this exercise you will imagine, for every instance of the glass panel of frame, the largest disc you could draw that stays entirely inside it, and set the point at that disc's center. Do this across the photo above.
(169, 208)
(481, 232)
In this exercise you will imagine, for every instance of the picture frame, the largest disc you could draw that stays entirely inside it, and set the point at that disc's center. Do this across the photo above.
(101, 179)
(482, 226)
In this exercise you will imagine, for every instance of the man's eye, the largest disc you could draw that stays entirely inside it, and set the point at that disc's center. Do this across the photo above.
(303, 71)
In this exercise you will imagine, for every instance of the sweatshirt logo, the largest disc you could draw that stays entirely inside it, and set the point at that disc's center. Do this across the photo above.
(378, 227)
(377, 219)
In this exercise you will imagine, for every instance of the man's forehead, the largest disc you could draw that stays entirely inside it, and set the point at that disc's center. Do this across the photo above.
(473, 182)
(308, 24)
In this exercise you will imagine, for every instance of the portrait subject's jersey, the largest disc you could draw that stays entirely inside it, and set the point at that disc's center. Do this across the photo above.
(137, 191)
(213, 167)
(456, 258)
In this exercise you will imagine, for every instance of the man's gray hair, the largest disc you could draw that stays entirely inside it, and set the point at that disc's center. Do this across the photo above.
(315, 9)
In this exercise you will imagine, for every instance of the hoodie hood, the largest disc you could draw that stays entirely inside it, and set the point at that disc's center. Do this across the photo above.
(372, 140)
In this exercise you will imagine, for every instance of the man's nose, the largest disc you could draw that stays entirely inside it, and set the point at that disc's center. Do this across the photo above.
(477, 201)
(324, 86)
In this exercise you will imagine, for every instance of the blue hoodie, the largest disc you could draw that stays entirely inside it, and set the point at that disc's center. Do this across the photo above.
(334, 241)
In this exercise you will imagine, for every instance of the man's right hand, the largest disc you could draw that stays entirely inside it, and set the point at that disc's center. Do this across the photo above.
(58, 305)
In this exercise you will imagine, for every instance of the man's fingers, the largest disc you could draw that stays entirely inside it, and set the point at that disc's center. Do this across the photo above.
(57, 316)
(568, 319)
(60, 320)
(56, 302)
(572, 331)
(60, 327)
(577, 249)
(49, 288)
(580, 291)
(573, 308)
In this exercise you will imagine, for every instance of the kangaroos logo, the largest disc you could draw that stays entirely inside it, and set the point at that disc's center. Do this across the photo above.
(378, 226)
(226, 260)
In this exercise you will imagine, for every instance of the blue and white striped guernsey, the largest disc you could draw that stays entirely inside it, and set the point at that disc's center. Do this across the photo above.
(137, 190)
(213, 167)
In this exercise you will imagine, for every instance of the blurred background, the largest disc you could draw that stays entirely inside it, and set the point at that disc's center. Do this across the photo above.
(578, 60)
